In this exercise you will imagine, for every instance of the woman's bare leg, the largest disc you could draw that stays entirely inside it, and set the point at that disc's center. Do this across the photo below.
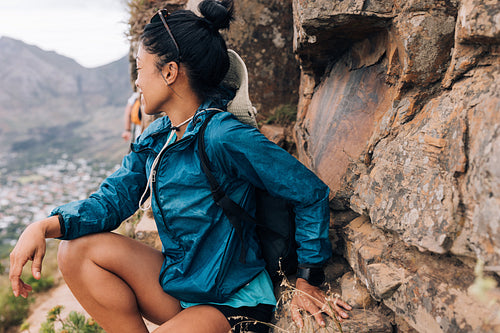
(115, 279)
(201, 318)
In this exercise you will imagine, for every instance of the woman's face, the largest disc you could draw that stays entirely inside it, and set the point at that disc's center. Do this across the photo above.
(150, 83)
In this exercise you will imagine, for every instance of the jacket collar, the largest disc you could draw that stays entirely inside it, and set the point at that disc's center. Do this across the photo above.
(155, 135)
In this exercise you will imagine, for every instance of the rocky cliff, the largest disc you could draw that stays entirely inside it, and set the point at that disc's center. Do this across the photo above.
(398, 112)
(399, 115)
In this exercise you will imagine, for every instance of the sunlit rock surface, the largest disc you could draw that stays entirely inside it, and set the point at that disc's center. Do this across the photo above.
(399, 115)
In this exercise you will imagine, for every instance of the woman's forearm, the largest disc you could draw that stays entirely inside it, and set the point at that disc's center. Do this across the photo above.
(51, 227)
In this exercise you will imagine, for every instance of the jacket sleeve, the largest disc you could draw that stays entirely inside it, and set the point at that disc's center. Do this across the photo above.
(243, 152)
(116, 199)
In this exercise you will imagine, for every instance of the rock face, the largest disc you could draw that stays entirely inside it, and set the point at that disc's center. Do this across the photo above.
(399, 115)
(398, 112)
(262, 35)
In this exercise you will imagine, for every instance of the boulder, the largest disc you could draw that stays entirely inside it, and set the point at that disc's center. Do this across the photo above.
(381, 131)
(411, 188)
(476, 34)
(478, 22)
(428, 291)
(274, 133)
(444, 166)
(480, 185)
(354, 292)
(432, 31)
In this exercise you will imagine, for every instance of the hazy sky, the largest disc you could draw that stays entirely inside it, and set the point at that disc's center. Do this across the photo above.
(90, 31)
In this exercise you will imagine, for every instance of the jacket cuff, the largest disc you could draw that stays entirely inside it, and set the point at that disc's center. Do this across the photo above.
(313, 275)
(61, 223)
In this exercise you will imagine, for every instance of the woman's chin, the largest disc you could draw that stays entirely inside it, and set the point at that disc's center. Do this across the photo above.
(151, 112)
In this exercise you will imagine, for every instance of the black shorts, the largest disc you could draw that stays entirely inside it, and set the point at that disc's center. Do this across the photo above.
(247, 319)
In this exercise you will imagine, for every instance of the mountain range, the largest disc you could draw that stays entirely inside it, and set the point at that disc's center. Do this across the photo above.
(50, 105)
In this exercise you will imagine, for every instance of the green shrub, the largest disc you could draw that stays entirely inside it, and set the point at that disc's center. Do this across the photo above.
(44, 284)
(74, 323)
(13, 310)
(283, 115)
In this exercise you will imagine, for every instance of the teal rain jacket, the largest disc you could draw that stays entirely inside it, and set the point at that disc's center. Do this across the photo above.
(200, 246)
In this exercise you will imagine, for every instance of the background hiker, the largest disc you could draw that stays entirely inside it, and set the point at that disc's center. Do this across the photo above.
(132, 118)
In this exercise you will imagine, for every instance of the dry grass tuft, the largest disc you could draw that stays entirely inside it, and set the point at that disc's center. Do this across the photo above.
(283, 322)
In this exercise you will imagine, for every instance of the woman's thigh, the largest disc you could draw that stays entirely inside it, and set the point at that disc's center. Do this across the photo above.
(137, 264)
(200, 318)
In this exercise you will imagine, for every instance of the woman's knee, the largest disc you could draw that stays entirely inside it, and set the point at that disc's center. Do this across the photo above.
(71, 253)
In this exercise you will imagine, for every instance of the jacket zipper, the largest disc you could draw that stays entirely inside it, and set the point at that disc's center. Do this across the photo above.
(143, 149)
(153, 180)
(155, 188)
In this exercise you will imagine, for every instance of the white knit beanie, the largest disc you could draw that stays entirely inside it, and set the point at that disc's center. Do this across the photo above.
(237, 79)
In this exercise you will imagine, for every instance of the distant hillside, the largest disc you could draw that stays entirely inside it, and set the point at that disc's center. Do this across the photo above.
(49, 105)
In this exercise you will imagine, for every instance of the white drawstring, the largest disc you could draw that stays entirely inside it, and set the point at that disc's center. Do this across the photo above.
(152, 173)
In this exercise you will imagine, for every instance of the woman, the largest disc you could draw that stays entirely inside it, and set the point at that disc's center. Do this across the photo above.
(197, 282)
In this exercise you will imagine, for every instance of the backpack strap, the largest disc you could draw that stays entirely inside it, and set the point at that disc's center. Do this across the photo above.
(234, 212)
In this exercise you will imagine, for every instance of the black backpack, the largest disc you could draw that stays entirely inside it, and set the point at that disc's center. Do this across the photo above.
(274, 218)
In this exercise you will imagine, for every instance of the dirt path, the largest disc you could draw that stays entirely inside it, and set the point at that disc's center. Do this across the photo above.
(60, 295)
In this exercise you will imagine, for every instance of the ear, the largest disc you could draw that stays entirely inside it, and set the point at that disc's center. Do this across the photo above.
(170, 72)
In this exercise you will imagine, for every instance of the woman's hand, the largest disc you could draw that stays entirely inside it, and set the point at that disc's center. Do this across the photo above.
(127, 135)
(314, 301)
(31, 246)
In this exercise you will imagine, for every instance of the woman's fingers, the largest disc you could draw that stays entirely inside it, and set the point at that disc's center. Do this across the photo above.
(340, 307)
(296, 316)
(314, 301)
(316, 312)
(16, 268)
(309, 303)
(30, 246)
(25, 289)
(17, 263)
(336, 307)
(36, 266)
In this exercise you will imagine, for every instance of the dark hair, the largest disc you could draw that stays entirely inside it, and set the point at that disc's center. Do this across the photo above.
(202, 49)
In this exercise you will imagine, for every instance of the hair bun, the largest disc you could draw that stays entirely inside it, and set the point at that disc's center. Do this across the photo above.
(218, 13)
